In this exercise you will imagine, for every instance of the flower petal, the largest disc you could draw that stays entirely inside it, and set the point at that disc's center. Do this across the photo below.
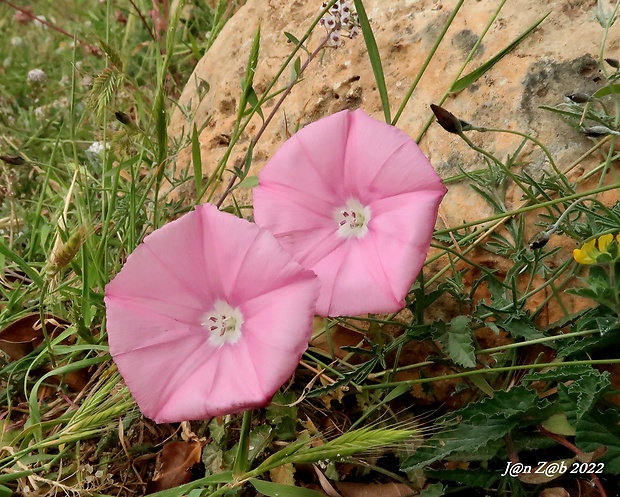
(603, 241)
(156, 308)
(382, 161)
(382, 179)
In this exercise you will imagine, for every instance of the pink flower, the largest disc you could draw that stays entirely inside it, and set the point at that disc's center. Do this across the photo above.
(355, 200)
(209, 316)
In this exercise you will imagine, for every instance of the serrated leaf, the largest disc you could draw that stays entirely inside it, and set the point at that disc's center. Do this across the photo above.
(271, 489)
(283, 415)
(466, 438)
(596, 430)
(579, 397)
(478, 424)
(516, 403)
(458, 343)
(476, 74)
(560, 374)
(521, 328)
(434, 490)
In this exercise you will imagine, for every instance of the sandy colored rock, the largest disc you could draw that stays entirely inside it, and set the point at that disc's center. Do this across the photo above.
(560, 57)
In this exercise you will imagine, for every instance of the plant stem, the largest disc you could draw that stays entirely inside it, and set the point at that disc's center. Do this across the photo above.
(271, 115)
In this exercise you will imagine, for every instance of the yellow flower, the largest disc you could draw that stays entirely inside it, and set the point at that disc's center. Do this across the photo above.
(591, 250)
(604, 241)
(587, 254)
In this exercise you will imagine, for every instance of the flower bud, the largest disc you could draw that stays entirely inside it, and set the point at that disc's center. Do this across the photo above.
(597, 131)
(579, 98)
(615, 63)
(449, 121)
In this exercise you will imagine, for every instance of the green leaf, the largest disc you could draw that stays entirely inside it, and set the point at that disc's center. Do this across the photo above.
(476, 74)
(281, 414)
(294, 40)
(248, 182)
(469, 431)
(375, 58)
(271, 489)
(457, 342)
(254, 103)
(465, 438)
(252, 61)
(196, 161)
(434, 490)
(559, 374)
(596, 430)
(580, 396)
(520, 327)
(296, 69)
(5, 491)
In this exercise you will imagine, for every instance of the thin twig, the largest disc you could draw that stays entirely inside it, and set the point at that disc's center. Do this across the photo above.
(578, 452)
(144, 21)
(270, 117)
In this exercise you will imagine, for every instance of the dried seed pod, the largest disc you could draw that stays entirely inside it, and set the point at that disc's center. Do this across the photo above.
(615, 63)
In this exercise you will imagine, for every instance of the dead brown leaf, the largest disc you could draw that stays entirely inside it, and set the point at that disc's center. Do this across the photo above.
(23, 336)
(177, 463)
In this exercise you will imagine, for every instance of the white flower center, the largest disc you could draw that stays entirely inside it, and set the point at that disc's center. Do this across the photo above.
(223, 323)
(352, 219)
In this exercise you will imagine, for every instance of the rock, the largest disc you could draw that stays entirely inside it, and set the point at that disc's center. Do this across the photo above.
(541, 71)
(560, 57)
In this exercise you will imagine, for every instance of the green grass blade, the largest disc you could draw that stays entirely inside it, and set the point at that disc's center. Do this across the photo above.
(426, 62)
(476, 74)
(23, 265)
(197, 162)
(279, 490)
(375, 58)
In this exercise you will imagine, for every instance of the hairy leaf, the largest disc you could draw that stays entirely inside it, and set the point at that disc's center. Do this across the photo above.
(596, 430)
(457, 342)
(579, 397)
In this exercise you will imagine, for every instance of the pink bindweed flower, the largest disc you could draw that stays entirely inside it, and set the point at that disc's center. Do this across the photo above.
(355, 200)
(209, 316)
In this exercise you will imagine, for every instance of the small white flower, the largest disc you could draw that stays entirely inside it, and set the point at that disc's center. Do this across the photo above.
(39, 112)
(97, 147)
(36, 76)
(39, 22)
(16, 41)
(335, 40)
